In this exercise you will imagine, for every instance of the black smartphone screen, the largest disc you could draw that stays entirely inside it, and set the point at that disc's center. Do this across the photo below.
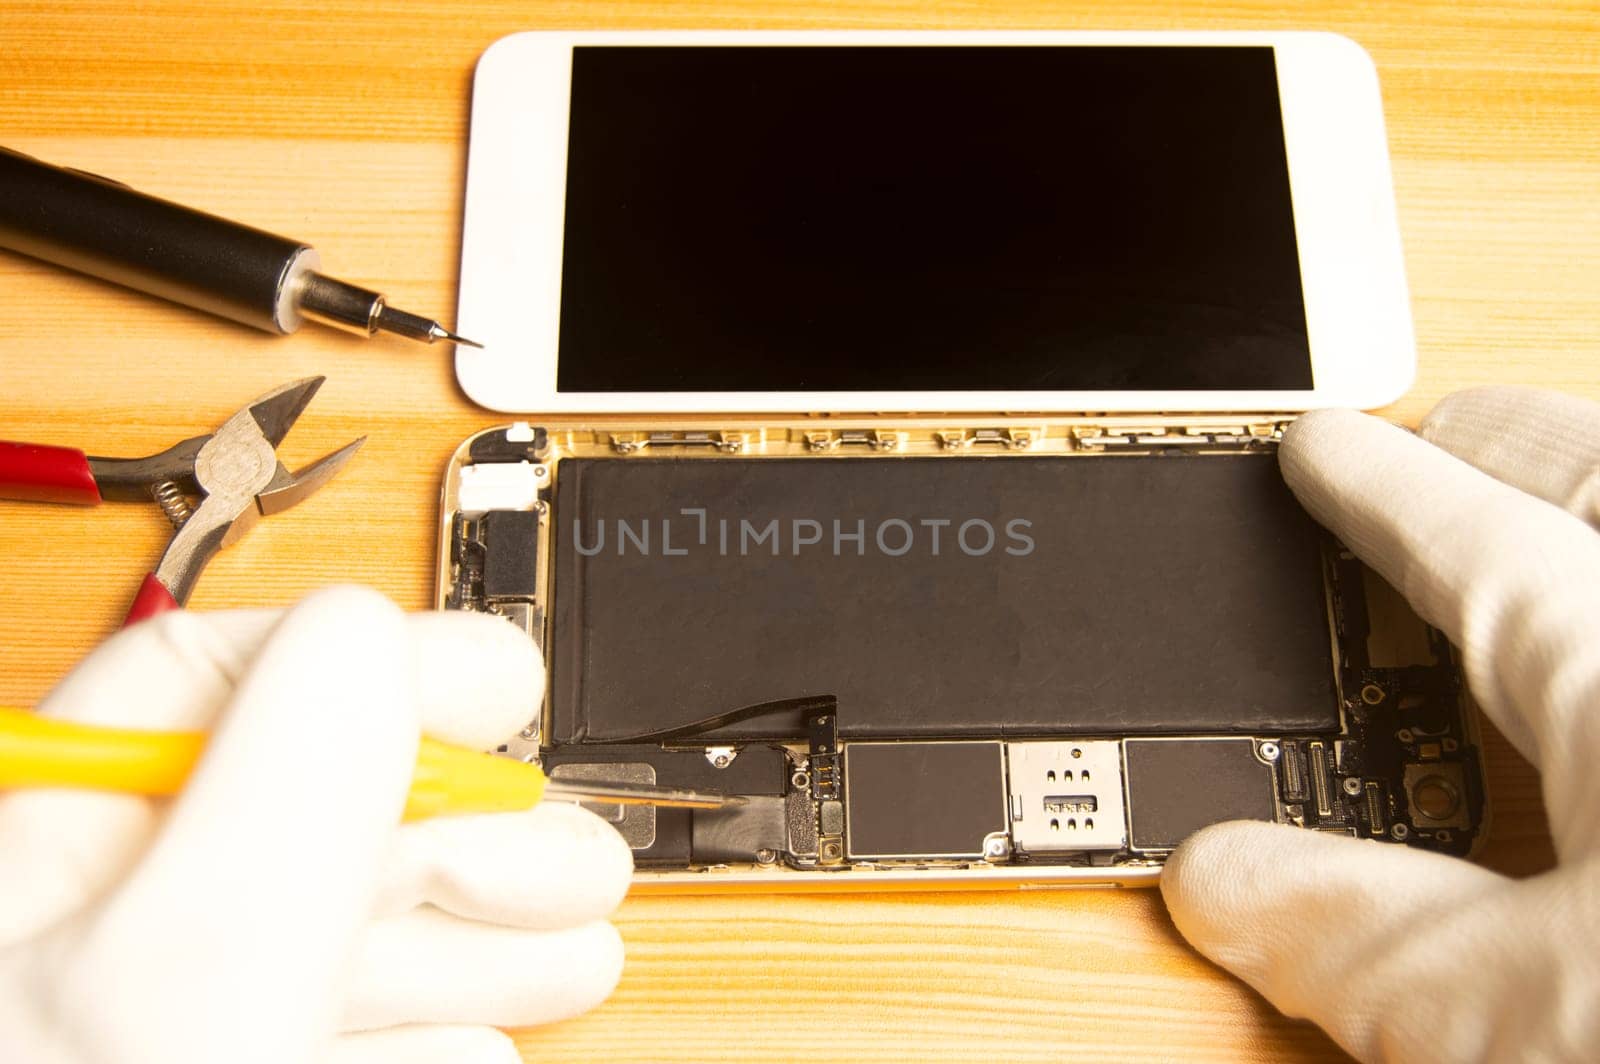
(789, 219)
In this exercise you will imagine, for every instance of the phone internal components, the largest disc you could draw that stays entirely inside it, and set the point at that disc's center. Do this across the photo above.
(1292, 769)
(1066, 796)
(801, 815)
(635, 823)
(822, 728)
(1328, 806)
(758, 770)
(923, 800)
(495, 562)
(830, 831)
(954, 665)
(756, 831)
(1376, 809)
(1437, 794)
(510, 568)
(1178, 786)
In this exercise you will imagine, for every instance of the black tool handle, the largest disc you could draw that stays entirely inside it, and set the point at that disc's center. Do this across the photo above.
(108, 230)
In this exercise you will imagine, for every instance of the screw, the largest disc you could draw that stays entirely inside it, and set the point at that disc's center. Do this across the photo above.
(1269, 751)
(1352, 786)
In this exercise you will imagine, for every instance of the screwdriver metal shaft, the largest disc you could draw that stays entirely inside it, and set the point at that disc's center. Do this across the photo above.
(638, 794)
(104, 228)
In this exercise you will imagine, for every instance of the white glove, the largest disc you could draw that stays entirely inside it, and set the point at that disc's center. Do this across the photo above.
(276, 911)
(1488, 525)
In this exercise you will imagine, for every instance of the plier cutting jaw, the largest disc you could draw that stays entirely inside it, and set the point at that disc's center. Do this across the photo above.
(234, 472)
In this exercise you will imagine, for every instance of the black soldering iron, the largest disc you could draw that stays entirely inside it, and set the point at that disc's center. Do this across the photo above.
(103, 228)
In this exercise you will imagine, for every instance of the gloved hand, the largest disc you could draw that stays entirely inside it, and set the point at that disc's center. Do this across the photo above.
(277, 911)
(1488, 525)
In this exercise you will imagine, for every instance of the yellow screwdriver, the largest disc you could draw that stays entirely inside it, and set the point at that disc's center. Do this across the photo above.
(449, 780)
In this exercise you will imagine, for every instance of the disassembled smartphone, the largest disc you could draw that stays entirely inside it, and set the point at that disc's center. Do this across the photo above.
(780, 304)
(929, 651)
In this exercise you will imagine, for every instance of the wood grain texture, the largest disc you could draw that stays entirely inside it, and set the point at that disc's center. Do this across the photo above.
(347, 126)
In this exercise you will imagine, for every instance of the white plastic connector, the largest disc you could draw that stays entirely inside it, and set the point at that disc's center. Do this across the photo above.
(499, 486)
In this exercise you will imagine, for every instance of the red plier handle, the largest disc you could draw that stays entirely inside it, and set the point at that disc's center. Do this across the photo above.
(151, 599)
(34, 472)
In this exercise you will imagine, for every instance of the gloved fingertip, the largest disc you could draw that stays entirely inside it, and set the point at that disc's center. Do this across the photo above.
(1204, 864)
(471, 632)
(479, 679)
(349, 603)
(425, 1044)
(428, 967)
(554, 866)
(603, 968)
(337, 647)
(1316, 439)
(602, 856)
(1313, 423)
(173, 672)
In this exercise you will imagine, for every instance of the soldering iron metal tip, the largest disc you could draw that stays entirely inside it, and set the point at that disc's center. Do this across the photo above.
(414, 326)
(439, 332)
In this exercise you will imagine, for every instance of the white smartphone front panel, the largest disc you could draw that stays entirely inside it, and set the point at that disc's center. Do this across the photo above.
(930, 222)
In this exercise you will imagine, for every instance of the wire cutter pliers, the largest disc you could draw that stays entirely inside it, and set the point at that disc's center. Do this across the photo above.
(234, 472)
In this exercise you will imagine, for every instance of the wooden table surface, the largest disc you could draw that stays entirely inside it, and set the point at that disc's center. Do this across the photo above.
(348, 129)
